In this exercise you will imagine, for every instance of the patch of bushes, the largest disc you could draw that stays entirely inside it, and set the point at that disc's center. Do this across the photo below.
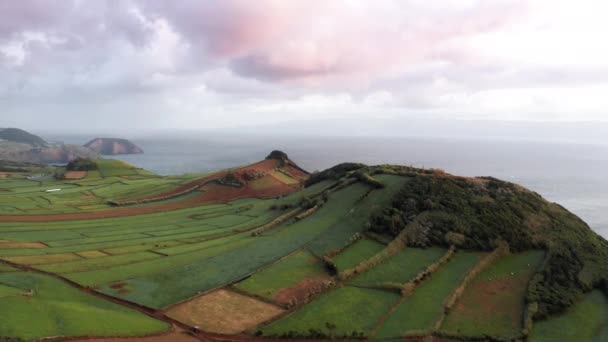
(82, 164)
(369, 180)
(316, 334)
(335, 172)
(230, 179)
(476, 214)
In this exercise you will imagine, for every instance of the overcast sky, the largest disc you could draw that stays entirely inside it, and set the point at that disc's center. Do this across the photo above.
(214, 64)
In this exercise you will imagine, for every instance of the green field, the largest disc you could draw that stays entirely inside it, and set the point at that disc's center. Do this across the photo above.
(481, 312)
(53, 308)
(400, 268)
(115, 180)
(357, 253)
(347, 310)
(418, 313)
(283, 274)
(587, 320)
(203, 260)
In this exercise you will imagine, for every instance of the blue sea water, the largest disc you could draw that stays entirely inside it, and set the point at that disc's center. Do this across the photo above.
(571, 174)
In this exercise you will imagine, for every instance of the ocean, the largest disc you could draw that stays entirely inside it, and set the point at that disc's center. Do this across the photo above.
(573, 175)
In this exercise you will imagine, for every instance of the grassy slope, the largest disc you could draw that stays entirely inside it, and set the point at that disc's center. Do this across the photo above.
(399, 268)
(587, 320)
(348, 309)
(481, 210)
(162, 289)
(494, 302)
(285, 273)
(357, 253)
(56, 309)
(420, 311)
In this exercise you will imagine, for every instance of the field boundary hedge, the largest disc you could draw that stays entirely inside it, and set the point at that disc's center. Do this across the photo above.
(409, 287)
(394, 247)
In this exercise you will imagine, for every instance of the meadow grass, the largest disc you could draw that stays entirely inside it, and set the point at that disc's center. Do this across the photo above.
(56, 309)
(587, 320)
(283, 274)
(347, 309)
(400, 268)
(357, 253)
(418, 313)
(234, 265)
(480, 311)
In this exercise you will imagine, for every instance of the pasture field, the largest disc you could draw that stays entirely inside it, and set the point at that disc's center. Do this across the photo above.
(587, 320)
(354, 222)
(481, 312)
(115, 180)
(247, 260)
(400, 268)
(227, 267)
(356, 253)
(52, 308)
(285, 273)
(337, 313)
(6, 268)
(419, 312)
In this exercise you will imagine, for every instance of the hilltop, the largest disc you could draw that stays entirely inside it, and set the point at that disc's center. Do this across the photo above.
(269, 250)
(113, 146)
(20, 136)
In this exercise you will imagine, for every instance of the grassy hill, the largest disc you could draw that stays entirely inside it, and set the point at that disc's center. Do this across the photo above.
(21, 136)
(381, 252)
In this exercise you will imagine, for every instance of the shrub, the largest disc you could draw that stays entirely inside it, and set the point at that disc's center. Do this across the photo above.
(82, 164)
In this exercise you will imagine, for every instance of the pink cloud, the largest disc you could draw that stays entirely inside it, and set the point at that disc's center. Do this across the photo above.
(307, 40)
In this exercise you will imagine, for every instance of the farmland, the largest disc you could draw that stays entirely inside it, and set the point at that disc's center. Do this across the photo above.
(501, 315)
(261, 250)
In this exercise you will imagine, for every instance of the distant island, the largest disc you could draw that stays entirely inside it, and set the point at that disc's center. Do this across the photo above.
(17, 145)
(113, 146)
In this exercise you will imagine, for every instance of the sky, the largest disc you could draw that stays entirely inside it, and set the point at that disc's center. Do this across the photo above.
(153, 65)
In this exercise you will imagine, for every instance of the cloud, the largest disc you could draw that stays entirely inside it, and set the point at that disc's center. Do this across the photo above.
(194, 63)
(274, 40)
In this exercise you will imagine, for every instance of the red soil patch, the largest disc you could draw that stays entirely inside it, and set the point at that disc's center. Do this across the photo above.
(222, 193)
(73, 175)
(299, 174)
(485, 299)
(303, 291)
(118, 285)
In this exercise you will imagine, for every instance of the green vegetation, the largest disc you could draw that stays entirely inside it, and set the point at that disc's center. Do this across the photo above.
(418, 313)
(480, 312)
(587, 320)
(357, 253)
(356, 222)
(21, 136)
(283, 274)
(400, 268)
(337, 313)
(113, 167)
(81, 164)
(48, 307)
(483, 210)
(287, 251)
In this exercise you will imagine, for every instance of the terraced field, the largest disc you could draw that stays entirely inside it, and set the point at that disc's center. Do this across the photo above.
(269, 259)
